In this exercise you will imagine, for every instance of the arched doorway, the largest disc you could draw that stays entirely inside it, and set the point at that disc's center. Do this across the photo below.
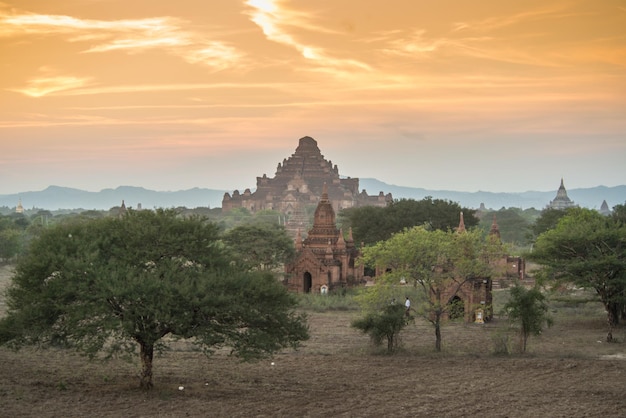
(457, 308)
(308, 282)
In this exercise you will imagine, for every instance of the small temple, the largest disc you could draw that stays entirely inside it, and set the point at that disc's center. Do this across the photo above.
(561, 201)
(325, 260)
(604, 209)
(19, 208)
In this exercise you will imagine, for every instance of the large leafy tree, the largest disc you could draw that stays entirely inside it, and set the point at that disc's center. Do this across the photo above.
(373, 224)
(260, 246)
(589, 250)
(547, 219)
(437, 263)
(114, 284)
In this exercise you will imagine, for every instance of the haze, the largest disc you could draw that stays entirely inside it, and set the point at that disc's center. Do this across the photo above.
(458, 95)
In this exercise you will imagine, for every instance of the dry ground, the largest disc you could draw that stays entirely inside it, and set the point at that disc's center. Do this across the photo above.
(569, 372)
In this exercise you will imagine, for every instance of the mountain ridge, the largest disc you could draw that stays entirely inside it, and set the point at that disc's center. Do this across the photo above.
(59, 197)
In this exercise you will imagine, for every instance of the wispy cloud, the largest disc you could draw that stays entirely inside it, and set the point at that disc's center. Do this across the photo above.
(128, 35)
(520, 39)
(278, 22)
(48, 83)
(75, 90)
(496, 22)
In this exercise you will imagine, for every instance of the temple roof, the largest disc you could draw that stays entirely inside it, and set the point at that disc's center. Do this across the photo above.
(561, 201)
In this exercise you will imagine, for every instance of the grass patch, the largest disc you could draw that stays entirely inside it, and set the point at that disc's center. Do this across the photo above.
(343, 301)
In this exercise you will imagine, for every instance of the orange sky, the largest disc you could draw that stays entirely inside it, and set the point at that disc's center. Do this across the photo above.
(460, 95)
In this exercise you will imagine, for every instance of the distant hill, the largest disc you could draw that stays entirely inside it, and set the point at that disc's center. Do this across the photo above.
(590, 198)
(55, 197)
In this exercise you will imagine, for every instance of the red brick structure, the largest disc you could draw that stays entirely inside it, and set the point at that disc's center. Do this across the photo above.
(325, 260)
(297, 186)
(477, 293)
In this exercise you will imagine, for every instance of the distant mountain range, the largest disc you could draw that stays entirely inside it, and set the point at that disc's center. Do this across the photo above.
(589, 198)
(55, 197)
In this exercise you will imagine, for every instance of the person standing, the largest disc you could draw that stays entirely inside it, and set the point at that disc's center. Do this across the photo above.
(407, 305)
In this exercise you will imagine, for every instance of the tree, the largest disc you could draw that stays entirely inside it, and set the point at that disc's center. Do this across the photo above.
(589, 250)
(619, 213)
(373, 224)
(12, 237)
(514, 224)
(10, 243)
(112, 284)
(260, 246)
(547, 220)
(438, 263)
(384, 325)
(368, 223)
(529, 309)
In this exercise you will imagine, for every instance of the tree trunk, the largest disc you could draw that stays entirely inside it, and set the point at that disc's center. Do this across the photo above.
(438, 333)
(612, 317)
(146, 353)
(614, 309)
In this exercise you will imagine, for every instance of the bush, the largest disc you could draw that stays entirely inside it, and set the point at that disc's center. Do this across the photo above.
(385, 325)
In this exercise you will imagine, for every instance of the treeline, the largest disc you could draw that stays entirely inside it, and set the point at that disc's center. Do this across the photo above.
(518, 228)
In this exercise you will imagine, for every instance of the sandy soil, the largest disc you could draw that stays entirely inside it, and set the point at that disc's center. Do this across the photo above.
(569, 372)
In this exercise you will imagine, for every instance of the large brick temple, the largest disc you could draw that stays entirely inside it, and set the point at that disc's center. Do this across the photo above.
(296, 188)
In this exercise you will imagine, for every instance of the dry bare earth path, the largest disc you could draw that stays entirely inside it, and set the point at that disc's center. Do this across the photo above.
(337, 374)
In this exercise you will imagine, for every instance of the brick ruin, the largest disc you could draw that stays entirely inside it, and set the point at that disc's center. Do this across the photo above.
(325, 260)
(296, 188)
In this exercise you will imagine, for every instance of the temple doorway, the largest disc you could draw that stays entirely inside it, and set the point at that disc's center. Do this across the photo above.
(308, 282)
(457, 308)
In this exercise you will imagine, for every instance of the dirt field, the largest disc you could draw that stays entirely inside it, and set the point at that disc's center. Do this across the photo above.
(569, 372)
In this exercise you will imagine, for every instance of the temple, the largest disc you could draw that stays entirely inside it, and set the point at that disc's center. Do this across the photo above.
(561, 201)
(604, 209)
(297, 186)
(19, 208)
(325, 260)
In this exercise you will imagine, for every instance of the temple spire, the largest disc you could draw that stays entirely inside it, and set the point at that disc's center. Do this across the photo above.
(298, 240)
(123, 209)
(461, 227)
(341, 242)
(495, 230)
(325, 193)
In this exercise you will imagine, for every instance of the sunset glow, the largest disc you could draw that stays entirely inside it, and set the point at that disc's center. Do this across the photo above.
(483, 95)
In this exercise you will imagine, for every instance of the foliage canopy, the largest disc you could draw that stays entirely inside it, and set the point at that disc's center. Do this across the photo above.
(373, 224)
(384, 325)
(589, 250)
(260, 246)
(112, 284)
(529, 309)
(437, 263)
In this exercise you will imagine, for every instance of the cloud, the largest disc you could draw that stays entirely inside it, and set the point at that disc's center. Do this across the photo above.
(497, 22)
(49, 84)
(128, 35)
(136, 88)
(278, 22)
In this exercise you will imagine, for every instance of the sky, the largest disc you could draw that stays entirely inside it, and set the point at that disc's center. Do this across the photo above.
(490, 95)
